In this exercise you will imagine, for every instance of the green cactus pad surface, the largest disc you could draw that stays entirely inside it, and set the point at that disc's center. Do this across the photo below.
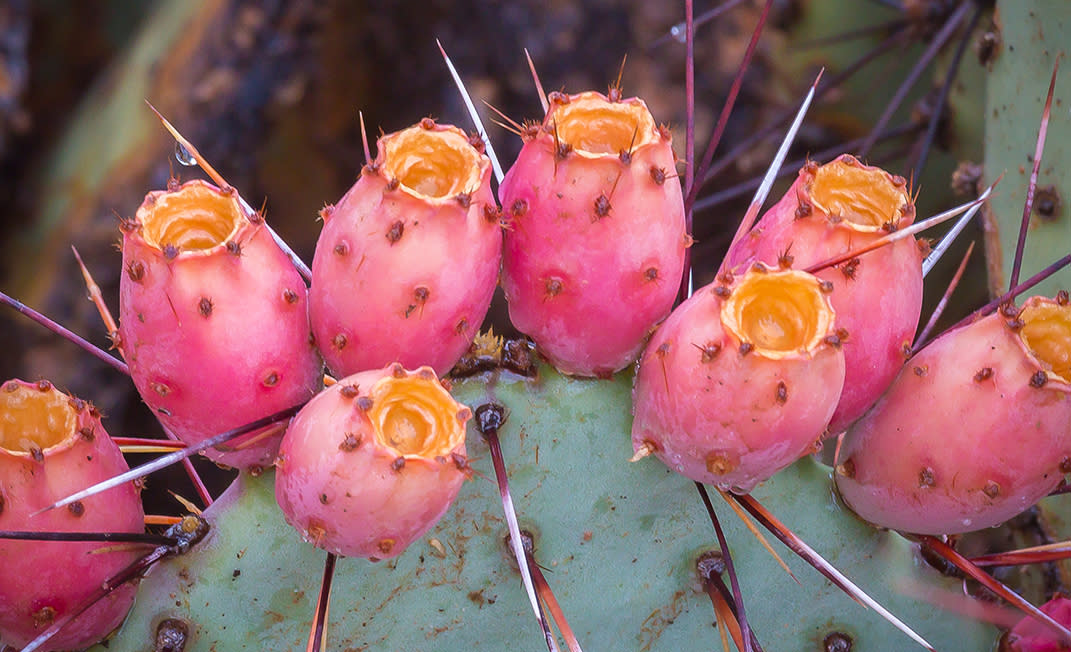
(618, 542)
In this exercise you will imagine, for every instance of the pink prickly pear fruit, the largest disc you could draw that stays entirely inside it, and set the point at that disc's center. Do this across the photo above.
(973, 431)
(595, 237)
(408, 259)
(373, 462)
(830, 210)
(741, 379)
(1031, 635)
(52, 445)
(214, 320)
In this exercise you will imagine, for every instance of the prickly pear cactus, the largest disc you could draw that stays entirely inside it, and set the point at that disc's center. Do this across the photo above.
(619, 542)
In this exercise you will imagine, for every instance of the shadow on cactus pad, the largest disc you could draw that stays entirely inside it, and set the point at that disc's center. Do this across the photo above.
(618, 542)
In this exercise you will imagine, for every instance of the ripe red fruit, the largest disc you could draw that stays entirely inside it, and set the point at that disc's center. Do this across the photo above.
(974, 429)
(595, 240)
(408, 259)
(214, 323)
(373, 462)
(1029, 635)
(741, 379)
(830, 210)
(52, 445)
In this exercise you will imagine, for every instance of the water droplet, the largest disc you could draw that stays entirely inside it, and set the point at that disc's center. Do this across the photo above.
(183, 156)
(679, 32)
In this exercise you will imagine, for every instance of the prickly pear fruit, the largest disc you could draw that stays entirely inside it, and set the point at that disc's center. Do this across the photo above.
(408, 259)
(741, 379)
(595, 238)
(214, 320)
(974, 429)
(373, 462)
(830, 210)
(1030, 635)
(52, 445)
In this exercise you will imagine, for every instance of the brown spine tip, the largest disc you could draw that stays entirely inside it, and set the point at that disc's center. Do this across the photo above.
(926, 478)
(991, 489)
(290, 296)
(842, 334)
(87, 433)
(832, 340)
(553, 287)
(170, 251)
(850, 268)
(803, 210)
(602, 207)
(37, 454)
(846, 468)
(271, 380)
(135, 270)
(1039, 379)
(393, 184)
(76, 508)
(234, 248)
(398, 464)
(427, 123)
(10, 386)
(826, 286)
(343, 247)
(204, 306)
(658, 175)
(719, 463)
(461, 326)
(421, 293)
(339, 341)
(1065, 464)
(464, 199)
(364, 403)
(722, 292)
(349, 443)
(746, 347)
(625, 157)
(708, 351)
(1062, 297)
(385, 546)
(476, 142)
(785, 259)
(161, 388)
(650, 274)
(782, 392)
(128, 224)
(394, 233)
(323, 499)
(492, 213)
(44, 386)
(397, 370)
(984, 374)
(349, 391)
(518, 208)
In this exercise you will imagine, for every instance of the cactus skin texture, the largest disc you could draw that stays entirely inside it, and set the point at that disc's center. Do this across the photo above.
(830, 210)
(408, 259)
(972, 432)
(214, 320)
(604, 529)
(372, 462)
(741, 380)
(595, 240)
(50, 446)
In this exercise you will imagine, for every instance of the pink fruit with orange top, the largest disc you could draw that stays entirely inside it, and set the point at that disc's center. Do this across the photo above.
(595, 239)
(52, 445)
(741, 380)
(831, 210)
(373, 462)
(973, 431)
(214, 320)
(408, 259)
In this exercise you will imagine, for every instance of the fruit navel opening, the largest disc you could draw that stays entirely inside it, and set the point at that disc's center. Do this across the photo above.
(415, 416)
(195, 217)
(1046, 332)
(33, 420)
(780, 313)
(864, 197)
(435, 163)
(590, 123)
